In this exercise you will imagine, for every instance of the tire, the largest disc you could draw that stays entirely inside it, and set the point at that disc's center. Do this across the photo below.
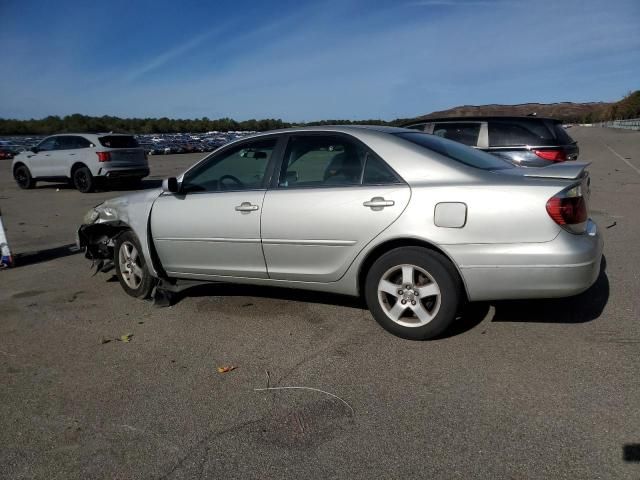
(83, 180)
(430, 275)
(131, 268)
(23, 177)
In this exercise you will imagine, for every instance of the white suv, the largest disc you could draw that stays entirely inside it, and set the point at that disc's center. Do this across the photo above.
(84, 159)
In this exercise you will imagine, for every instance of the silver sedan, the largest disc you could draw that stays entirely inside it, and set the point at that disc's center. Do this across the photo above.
(416, 224)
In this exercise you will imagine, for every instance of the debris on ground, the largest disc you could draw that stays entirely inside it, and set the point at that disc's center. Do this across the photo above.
(612, 225)
(104, 340)
(226, 369)
(126, 338)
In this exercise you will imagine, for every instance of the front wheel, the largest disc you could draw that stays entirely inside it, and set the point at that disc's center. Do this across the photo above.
(83, 180)
(131, 268)
(23, 177)
(413, 292)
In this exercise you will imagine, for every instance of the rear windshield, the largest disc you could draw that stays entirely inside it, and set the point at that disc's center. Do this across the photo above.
(456, 151)
(508, 133)
(118, 141)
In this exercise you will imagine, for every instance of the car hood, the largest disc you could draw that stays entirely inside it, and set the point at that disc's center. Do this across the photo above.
(127, 207)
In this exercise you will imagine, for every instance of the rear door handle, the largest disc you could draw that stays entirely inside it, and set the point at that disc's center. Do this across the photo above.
(378, 203)
(246, 207)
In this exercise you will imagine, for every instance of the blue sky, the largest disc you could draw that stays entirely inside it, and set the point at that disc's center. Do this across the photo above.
(301, 61)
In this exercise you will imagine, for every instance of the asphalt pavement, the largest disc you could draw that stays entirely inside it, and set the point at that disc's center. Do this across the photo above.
(522, 389)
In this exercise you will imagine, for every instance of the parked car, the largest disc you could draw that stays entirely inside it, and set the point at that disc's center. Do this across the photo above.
(84, 159)
(6, 154)
(524, 141)
(414, 223)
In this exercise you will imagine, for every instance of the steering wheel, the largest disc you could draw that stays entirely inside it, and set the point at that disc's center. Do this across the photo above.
(232, 178)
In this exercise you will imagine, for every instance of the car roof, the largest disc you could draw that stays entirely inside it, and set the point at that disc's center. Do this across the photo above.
(348, 129)
(98, 134)
(526, 118)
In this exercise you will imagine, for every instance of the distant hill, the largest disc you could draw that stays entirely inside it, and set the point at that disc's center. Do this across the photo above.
(628, 107)
(566, 111)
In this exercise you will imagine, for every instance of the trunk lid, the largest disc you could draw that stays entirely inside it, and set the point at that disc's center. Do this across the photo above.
(124, 150)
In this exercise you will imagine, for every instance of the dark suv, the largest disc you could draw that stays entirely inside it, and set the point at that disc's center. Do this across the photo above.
(525, 141)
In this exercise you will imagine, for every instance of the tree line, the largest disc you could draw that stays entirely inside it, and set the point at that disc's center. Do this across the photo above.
(628, 107)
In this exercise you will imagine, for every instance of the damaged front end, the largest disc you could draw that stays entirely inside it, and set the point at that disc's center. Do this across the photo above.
(98, 234)
(98, 241)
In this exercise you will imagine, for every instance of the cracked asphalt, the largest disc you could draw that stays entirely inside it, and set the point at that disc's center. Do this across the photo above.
(523, 389)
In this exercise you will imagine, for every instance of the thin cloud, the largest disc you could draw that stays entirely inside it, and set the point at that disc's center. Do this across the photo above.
(167, 56)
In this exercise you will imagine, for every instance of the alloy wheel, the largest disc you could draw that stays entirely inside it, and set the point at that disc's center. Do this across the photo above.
(409, 295)
(130, 268)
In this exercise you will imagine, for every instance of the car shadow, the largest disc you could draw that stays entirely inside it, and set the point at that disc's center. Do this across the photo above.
(581, 308)
(39, 256)
(279, 293)
(115, 186)
(469, 317)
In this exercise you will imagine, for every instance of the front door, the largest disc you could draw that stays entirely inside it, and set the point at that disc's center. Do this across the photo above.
(333, 197)
(212, 226)
(44, 162)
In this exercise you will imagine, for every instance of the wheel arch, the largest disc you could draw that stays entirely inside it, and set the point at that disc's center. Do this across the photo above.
(75, 167)
(19, 164)
(392, 244)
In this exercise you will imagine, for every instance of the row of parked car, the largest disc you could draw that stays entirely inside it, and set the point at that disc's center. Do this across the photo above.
(86, 160)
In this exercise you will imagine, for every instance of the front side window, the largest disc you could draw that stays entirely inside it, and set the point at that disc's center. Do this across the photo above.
(242, 167)
(322, 161)
(466, 133)
(48, 144)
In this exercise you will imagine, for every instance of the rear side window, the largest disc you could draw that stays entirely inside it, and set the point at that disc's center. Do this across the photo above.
(376, 172)
(506, 134)
(456, 151)
(118, 141)
(73, 142)
(466, 133)
(563, 137)
(322, 161)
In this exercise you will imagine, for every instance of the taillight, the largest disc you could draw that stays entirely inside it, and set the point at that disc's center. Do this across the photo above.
(569, 209)
(104, 156)
(552, 155)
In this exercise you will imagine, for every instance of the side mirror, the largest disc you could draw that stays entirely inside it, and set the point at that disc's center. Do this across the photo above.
(34, 149)
(170, 185)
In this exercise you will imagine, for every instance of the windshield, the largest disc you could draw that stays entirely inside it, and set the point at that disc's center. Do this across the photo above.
(456, 151)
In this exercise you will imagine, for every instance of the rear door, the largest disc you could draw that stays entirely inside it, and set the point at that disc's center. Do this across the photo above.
(332, 197)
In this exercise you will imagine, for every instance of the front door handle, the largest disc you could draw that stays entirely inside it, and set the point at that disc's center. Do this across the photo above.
(246, 207)
(378, 203)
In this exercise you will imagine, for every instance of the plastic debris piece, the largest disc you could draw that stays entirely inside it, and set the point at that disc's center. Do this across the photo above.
(226, 369)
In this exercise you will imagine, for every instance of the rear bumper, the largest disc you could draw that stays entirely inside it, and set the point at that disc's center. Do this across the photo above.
(125, 172)
(565, 266)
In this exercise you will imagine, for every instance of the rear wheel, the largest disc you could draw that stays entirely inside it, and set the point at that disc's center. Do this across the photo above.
(23, 177)
(413, 292)
(83, 180)
(131, 268)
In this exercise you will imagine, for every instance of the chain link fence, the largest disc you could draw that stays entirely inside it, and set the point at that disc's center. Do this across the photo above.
(629, 124)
